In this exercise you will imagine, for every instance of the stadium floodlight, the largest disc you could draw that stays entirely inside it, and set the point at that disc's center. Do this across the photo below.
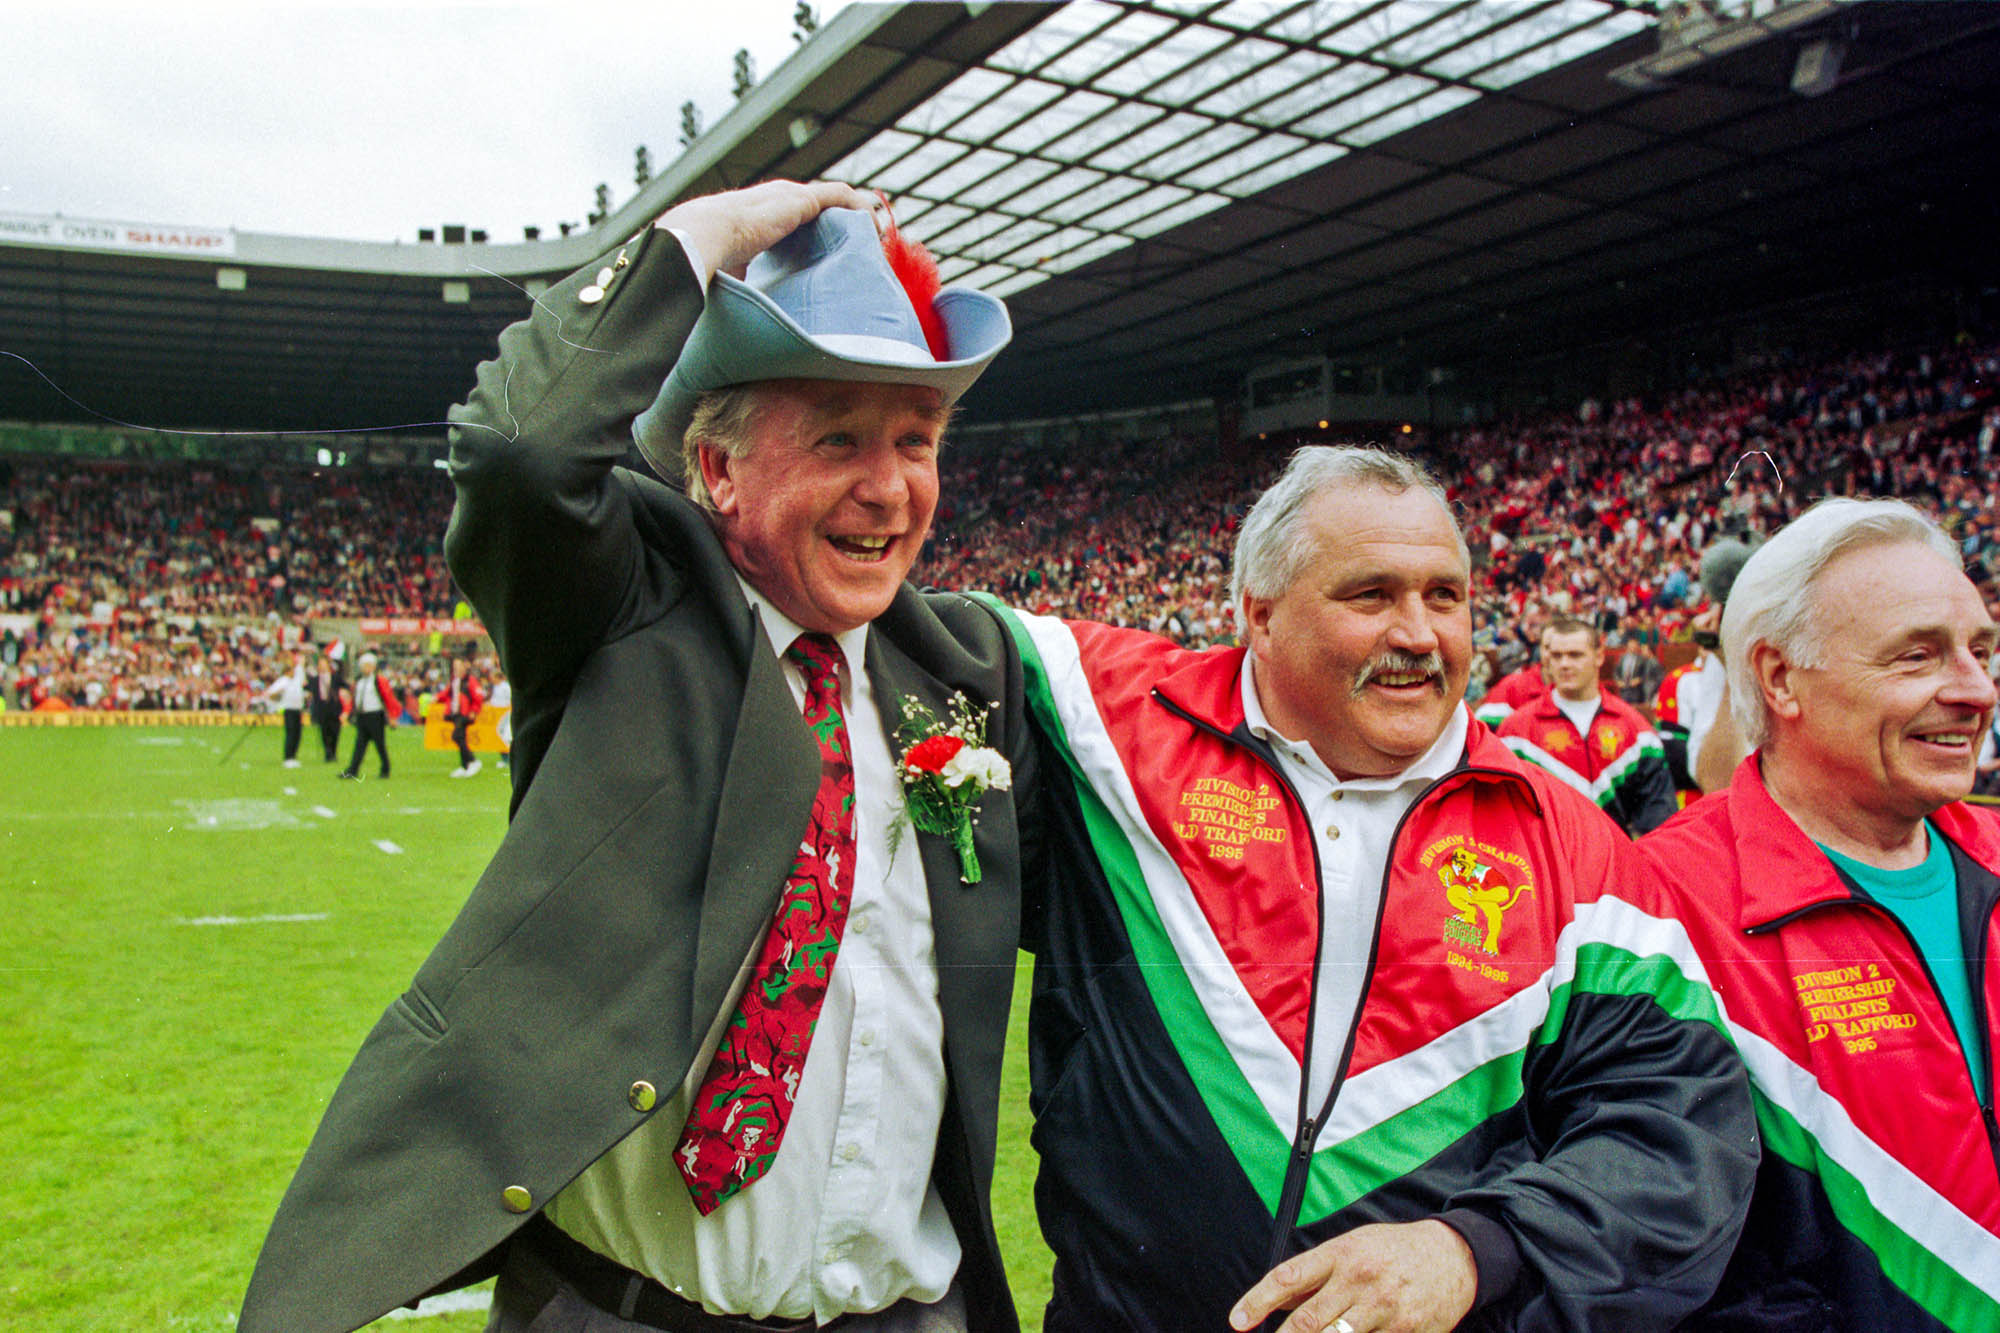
(803, 129)
(1688, 46)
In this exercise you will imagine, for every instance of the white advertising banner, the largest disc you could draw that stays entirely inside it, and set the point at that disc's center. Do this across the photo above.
(97, 234)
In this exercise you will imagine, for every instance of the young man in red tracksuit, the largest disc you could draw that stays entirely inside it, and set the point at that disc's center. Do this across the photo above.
(1589, 737)
(1846, 903)
(1338, 1004)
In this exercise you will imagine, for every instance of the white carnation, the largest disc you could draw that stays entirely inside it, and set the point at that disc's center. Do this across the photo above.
(985, 769)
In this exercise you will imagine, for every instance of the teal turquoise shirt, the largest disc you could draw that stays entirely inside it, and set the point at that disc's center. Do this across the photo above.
(1925, 899)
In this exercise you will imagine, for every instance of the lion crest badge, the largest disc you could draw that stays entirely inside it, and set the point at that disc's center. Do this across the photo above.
(1481, 887)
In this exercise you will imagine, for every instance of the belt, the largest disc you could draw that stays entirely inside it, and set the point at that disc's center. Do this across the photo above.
(618, 1290)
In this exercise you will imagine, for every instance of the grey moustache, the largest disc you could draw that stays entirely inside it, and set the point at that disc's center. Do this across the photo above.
(1391, 663)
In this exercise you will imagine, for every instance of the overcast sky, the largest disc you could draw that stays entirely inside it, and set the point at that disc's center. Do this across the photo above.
(359, 121)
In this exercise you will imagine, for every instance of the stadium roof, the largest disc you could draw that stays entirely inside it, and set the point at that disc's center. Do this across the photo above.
(1169, 192)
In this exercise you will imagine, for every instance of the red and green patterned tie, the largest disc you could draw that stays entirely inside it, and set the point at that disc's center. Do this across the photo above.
(738, 1116)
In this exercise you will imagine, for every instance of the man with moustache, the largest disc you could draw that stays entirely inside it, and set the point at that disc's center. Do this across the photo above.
(1338, 1004)
(715, 1043)
(1846, 902)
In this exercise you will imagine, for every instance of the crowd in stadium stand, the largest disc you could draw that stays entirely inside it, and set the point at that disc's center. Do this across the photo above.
(1601, 512)
(212, 541)
(96, 667)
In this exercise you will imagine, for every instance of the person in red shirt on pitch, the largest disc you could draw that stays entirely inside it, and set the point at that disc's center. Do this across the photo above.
(463, 699)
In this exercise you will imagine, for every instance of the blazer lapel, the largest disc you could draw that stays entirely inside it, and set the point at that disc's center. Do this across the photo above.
(975, 926)
(766, 803)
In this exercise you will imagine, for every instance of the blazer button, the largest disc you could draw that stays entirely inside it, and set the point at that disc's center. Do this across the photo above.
(642, 1096)
(516, 1199)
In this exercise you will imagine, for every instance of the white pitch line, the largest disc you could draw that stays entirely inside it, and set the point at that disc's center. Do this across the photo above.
(95, 814)
(252, 920)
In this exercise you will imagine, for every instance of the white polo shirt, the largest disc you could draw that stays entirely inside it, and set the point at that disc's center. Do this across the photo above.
(1353, 824)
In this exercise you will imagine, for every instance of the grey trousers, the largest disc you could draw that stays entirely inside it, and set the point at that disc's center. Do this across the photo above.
(530, 1298)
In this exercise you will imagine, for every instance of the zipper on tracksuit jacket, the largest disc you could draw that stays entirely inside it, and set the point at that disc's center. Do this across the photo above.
(1298, 1166)
(1977, 976)
(1291, 1195)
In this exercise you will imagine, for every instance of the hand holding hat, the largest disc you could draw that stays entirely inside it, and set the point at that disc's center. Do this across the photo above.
(728, 230)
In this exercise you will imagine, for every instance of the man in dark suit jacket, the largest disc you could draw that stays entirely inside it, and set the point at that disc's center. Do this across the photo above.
(326, 687)
(518, 1108)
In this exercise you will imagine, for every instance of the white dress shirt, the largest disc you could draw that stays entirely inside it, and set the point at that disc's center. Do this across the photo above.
(846, 1220)
(1353, 824)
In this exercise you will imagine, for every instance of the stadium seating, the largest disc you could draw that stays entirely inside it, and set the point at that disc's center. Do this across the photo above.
(162, 584)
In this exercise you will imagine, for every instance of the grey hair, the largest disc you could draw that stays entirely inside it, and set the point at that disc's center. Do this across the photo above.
(724, 418)
(1275, 544)
(1773, 598)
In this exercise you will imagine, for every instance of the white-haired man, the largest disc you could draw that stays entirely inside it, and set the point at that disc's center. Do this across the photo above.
(1338, 1004)
(715, 1042)
(1847, 905)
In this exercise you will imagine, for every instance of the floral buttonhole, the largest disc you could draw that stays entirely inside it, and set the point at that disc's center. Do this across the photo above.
(946, 768)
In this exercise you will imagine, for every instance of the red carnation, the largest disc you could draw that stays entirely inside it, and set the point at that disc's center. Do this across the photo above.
(931, 754)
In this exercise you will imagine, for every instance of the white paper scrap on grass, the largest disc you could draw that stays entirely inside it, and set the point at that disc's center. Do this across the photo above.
(452, 1302)
(389, 847)
(239, 814)
(322, 812)
(252, 920)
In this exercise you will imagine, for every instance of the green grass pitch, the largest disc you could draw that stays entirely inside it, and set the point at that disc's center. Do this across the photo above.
(192, 945)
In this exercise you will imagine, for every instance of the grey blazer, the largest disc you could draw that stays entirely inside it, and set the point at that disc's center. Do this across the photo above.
(662, 778)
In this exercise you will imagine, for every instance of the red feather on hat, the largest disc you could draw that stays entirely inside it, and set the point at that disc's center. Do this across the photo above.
(918, 273)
